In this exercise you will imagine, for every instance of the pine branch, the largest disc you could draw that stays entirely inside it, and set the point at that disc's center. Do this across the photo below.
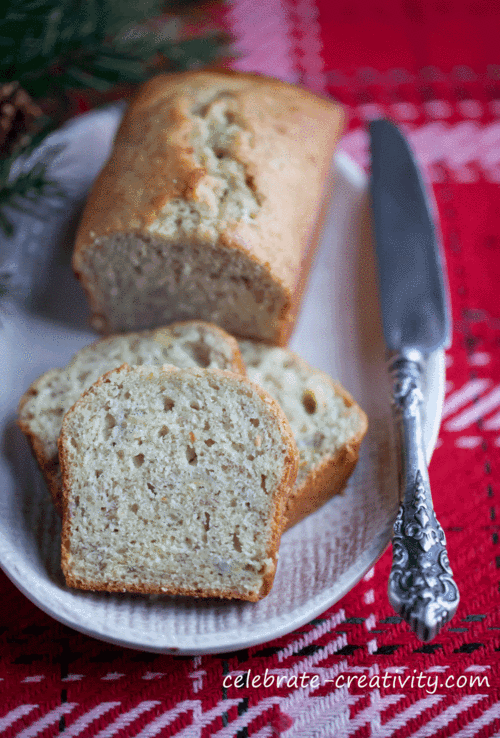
(23, 191)
(51, 47)
(40, 39)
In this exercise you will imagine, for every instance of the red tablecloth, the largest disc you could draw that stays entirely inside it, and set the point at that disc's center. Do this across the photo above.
(434, 68)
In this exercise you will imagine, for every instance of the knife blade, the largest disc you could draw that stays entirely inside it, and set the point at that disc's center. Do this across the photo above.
(416, 322)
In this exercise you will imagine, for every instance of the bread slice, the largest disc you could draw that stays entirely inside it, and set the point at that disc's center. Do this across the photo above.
(174, 481)
(42, 407)
(327, 424)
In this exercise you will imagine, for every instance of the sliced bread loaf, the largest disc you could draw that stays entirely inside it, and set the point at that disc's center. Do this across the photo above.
(42, 407)
(174, 481)
(327, 424)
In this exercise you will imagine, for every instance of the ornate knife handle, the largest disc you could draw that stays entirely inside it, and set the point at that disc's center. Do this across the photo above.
(421, 585)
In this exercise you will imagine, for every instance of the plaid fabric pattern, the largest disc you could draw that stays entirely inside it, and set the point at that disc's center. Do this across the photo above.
(434, 68)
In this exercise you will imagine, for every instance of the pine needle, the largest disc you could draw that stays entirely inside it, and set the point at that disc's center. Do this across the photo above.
(54, 46)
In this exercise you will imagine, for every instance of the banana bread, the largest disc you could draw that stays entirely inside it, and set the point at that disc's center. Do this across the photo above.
(208, 206)
(174, 482)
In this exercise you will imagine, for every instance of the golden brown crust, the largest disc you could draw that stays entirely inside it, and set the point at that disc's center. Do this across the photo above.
(225, 594)
(324, 482)
(290, 136)
(306, 263)
(49, 466)
(280, 498)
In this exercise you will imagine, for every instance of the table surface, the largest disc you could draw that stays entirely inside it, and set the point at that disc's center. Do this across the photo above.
(435, 69)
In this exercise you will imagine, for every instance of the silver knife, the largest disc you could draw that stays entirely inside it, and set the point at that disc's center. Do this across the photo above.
(416, 322)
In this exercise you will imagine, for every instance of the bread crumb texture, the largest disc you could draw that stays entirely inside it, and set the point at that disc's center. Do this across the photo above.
(201, 211)
(165, 488)
(42, 408)
(327, 424)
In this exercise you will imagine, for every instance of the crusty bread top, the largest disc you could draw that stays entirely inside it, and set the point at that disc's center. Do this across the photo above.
(164, 176)
(175, 481)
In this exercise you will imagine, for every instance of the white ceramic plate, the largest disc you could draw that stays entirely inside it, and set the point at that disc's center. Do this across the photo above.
(321, 558)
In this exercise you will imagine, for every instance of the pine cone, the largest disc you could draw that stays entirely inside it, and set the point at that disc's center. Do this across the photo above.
(20, 118)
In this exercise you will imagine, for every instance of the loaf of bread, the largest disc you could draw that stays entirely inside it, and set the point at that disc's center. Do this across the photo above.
(327, 424)
(208, 205)
(175, 482)
(42, 407)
